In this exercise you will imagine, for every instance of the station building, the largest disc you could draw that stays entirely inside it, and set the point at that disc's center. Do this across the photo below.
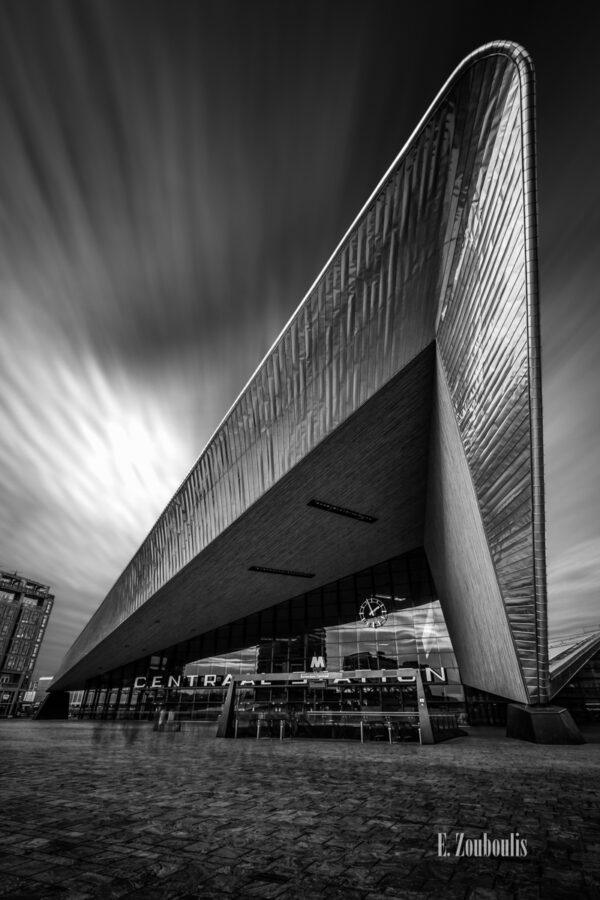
(372, 505)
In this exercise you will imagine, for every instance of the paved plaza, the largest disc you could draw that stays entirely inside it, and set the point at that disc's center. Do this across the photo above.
(117, 810)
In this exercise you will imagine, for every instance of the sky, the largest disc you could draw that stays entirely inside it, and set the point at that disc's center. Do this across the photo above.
(173, 177)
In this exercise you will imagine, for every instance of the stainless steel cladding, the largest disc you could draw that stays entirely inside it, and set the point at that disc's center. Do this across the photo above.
(444, 250)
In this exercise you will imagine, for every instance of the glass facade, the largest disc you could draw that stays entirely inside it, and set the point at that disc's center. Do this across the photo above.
(328, 630)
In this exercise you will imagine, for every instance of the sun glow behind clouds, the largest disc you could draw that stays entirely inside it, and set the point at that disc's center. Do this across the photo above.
(91, 455)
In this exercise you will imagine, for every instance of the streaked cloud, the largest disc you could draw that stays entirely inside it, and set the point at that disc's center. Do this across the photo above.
(574, 578)
(173, 177)
(90, 456)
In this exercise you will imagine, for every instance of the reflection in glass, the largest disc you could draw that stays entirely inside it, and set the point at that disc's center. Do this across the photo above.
(414, 635)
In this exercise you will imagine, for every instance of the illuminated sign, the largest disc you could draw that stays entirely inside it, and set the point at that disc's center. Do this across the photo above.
(182, 681)
(360, 676)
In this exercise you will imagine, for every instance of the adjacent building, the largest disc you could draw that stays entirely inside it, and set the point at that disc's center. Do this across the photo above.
(25, 607)
(374, 499)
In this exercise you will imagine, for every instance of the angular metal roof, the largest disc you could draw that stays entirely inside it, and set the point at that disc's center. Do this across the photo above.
(429, 301)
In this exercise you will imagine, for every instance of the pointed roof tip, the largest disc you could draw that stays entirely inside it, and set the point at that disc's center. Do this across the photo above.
(518, 54)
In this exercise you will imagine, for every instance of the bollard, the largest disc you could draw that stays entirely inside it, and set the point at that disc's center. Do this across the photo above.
(281, 729)
(235, 728)
(362, 731)
(389, 728)
(258, 729)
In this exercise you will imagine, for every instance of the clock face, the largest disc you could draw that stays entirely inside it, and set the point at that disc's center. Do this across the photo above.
(373, 613)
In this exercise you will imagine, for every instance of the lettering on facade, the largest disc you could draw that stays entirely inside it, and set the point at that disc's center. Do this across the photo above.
(433, 675)
(390, 676)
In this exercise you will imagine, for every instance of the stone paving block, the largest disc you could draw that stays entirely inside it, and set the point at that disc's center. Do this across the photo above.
(403, 893)
(483, 893)
(53, 875)
(29, 867)
(300, 816)
(322, 890)
(431, 890)
(73, 890)
(264, 890)
(10, 863)
(154, 892)
(228, 887)
(95, 878)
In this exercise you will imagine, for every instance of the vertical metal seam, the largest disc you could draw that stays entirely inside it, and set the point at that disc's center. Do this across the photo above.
(530, 223)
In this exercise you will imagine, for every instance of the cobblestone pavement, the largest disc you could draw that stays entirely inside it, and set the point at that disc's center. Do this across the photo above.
(117, 810)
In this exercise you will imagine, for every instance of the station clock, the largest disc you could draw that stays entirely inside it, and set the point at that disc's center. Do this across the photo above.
(372, 612)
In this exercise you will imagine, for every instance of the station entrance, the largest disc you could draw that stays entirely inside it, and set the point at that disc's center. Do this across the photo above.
(374, 704)
(348, 648)
(359, 705)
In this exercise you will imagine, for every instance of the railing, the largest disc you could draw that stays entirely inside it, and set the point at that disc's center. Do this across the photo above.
(394, 727)
(363, 725)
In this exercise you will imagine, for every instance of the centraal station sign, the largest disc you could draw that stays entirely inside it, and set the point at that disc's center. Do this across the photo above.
(324, 678)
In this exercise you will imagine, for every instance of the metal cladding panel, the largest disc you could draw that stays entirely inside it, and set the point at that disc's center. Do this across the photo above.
(446, 222)
(484, 340)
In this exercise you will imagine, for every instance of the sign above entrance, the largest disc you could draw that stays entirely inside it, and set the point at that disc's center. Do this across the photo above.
(357, 676)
